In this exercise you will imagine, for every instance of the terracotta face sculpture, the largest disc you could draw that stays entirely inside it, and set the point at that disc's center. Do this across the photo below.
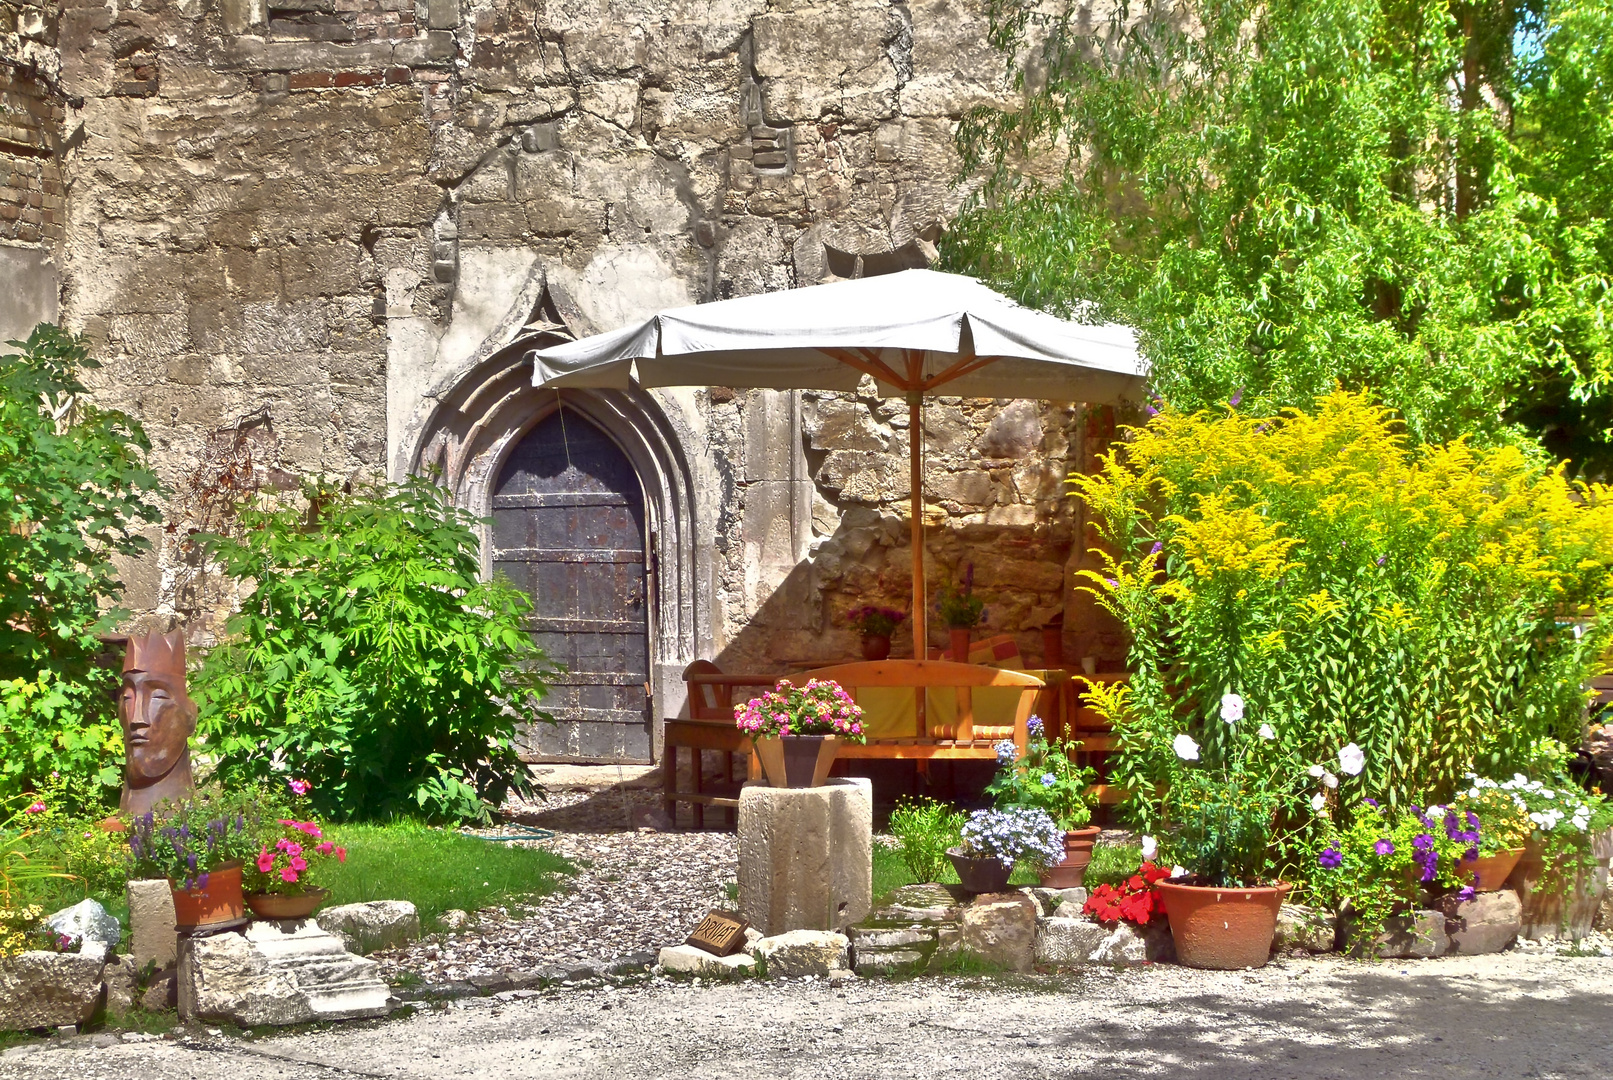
(158, 721)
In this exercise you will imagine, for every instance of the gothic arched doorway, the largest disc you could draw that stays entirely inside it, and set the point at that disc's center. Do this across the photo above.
(569, 529)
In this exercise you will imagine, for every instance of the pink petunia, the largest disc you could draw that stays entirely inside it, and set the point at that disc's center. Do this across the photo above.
(299, 864)
(36, 808)
(265, 860)
(326, 848)
(341, 854)
(301, 787)
(289, 875)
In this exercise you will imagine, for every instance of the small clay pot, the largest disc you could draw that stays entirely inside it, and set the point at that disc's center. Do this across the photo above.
(215, 903)
(876, 646)
(286, 906)
(979, 875)
(1072, 872)
(1221, 928)
(1491, 871)
(960, 644)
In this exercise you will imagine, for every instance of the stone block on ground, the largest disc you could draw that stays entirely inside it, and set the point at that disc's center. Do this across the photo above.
(1127, 945)
(688, 960)
(87, 922)
(1304, 929)
(924, 903)
(377, 924)
(1419, 935)
(798, 953)
(278, 971)
(806, 855)
(880, 948)
(1063, 903)
(1000, 928)
(1067, 942)
(151, 922)
(121, 976)
(454, 920)
(47, 989)
(1488, 923)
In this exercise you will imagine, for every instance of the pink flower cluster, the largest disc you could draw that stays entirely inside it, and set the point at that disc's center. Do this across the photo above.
(821, 707)
(288, 859)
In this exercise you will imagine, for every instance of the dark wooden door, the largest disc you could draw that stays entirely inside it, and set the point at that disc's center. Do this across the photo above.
(568, 527)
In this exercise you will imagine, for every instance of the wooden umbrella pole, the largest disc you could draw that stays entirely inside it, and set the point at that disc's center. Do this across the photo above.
(915, 446)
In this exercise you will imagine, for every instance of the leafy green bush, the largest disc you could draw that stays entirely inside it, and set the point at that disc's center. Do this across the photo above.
(371, 659)
(73, 490)
(924, 829)
(1415, 602)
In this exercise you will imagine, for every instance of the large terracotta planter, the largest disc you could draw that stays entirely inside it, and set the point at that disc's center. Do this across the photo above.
(1221, 928)
(979, 875)
(215, 904)
(876, 646)
(293, 906)
(1072, 872)
(799, 761)
(1562, 903)
(1491, 871)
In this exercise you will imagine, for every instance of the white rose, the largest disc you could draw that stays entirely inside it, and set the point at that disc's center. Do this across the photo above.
(1266, 732)
(1185, 748)
(1352, 759)
(1150, 848)
(1231, 708)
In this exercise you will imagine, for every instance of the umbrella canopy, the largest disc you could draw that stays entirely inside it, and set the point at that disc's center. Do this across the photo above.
(915, 332)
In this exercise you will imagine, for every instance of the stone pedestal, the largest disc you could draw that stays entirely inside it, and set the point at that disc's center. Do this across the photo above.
(278, 971)
(806, 855)
(151, 922)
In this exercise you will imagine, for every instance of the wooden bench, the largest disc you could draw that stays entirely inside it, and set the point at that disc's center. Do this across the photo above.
(709, 726)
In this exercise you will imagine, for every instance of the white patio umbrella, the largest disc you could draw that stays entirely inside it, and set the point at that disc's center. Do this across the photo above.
(915, 332)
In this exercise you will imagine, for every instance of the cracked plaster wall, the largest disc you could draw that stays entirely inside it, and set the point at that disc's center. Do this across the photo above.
(334, 208)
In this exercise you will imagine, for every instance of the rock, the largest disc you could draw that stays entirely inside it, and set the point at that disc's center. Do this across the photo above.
(1065, 903)
(1127, 945)
(377, 924)
(87, 922)
(121, 977)
(879, 947)
(151, 922)
(1488, 923)
(47, 989)
(1420, 934)
(806, 856)
(277, 972)
(631, 964)
(1065, 942)
(803, 952)
(453, 920)
(688, 960)
(1304, 929)
(923, 903)
(162, 993)
(1000, 928)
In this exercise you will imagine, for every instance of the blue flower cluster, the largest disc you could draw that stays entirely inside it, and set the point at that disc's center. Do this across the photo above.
(1007, 752)
(1015, 834)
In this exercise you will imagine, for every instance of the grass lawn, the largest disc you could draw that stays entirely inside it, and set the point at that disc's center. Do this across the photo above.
(437, 869)
(1110, 863)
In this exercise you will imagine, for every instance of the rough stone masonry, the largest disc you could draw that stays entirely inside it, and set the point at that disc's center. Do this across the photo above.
(318, 236)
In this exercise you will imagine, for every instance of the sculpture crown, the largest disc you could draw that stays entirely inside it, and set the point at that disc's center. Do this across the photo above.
(160, 654)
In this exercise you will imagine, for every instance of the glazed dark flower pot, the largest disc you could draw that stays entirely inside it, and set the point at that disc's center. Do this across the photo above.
(979, 875)
(1072, 872)
(876, 646)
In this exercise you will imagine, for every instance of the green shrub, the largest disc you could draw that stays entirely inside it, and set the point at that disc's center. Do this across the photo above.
(924, 829)
(73, 490)
(371, 659)
(1351, 589)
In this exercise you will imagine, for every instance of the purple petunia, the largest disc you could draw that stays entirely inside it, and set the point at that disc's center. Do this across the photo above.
(1465, 893)
(1330, 858)
(1384, 847)
(1157, 548)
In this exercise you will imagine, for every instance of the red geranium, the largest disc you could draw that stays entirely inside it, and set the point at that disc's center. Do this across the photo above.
(1135, 900)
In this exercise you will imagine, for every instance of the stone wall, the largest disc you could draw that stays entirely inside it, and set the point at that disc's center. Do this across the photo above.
(33, 118)
(331, 223)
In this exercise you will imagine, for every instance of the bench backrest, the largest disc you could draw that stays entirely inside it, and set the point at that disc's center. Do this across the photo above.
(930, 678)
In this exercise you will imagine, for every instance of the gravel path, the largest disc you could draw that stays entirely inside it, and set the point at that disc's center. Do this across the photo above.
(1510, 1015)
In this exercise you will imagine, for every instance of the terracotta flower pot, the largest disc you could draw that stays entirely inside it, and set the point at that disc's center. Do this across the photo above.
(1072, 872)
(217, 902)
(979, 875)
(960, 644)
(798, 761)
(876, 646)
(1491, 870)
(1222, 928)
(286, 906)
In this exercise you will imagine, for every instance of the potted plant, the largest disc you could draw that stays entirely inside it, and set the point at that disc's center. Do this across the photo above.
(280, 882)
(1504, 829)
(796, 729)
(993, 841)
(875, 624)
(199, 845)
(1563, 872)
(961, 611)
(1046, 778)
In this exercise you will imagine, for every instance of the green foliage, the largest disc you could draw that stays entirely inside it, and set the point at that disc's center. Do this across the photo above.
(1282, 195)
(959, 610)
(67, 834)
(1421, 603)
(436, 869)
(73, 491)
(1222, 822)
(1047, 778)
(924, 829)
(371, 659)
(1111, 864)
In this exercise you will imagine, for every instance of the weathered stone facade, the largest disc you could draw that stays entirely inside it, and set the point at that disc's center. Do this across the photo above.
(324, 233)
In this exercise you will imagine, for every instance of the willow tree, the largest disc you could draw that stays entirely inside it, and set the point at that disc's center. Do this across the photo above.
(1412, 195)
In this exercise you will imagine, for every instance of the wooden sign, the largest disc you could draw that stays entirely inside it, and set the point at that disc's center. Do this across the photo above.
(719, 934)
